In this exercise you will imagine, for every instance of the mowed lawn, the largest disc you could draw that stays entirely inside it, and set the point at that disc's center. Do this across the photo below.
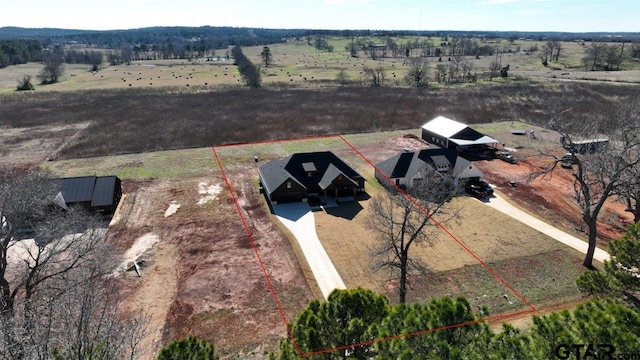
(539, 268)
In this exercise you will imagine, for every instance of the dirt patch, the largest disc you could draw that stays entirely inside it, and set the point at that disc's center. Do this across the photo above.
(552, 197)
(32, 145)
(202, 276)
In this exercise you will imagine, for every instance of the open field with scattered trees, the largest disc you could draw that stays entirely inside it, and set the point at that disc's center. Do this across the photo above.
(150, 114)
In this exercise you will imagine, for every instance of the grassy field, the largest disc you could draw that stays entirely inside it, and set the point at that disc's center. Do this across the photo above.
(170, 164)
(297, 63)
(145, 120)
(509, 247)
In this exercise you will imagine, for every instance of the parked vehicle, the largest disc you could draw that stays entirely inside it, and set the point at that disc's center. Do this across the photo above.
(479, 189)
(506, 156)
(567, 160)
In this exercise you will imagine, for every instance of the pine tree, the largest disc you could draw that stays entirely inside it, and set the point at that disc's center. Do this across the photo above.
(189, 348)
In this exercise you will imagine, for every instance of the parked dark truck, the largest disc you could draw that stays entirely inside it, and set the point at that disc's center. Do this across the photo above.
(479, 189)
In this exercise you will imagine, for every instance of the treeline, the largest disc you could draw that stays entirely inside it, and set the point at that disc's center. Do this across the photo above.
(359, 324)
(602, 56)
(363, 325)
(16, 51)
(249, 72)
(215, 37)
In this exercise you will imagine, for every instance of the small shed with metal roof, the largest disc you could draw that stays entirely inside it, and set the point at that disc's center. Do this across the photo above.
(96, 193)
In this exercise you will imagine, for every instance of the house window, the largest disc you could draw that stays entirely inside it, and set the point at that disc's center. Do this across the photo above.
(288, 184)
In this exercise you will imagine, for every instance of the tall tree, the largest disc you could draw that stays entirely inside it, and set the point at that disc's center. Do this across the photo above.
(266, 56)
(339, 325)
(621, 277)
(53, 66)
(376, 76)
(630, 191)
(418, 72)
(402, 221)
(188, 348)
(595, 322)
(599, 173)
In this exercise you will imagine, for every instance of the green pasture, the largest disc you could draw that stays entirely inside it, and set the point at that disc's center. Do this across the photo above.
(172, 164)
(168, 164)
(295, 63)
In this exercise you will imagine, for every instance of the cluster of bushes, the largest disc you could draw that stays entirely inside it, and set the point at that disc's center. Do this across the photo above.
(249, 72)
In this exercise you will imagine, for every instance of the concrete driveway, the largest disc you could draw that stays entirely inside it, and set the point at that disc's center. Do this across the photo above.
(503, 206)
(298, 218)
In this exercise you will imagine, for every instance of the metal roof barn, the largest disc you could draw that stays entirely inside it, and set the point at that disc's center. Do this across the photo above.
(97, 193)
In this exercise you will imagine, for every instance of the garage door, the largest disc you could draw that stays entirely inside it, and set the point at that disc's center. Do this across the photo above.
(289, 197)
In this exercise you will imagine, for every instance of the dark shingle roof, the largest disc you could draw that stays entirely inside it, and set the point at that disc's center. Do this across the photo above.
(407, 164)
(297, 166)
(331, 174)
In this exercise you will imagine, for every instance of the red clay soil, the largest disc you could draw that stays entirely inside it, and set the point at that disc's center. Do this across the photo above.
(552, 197)
(204, 274)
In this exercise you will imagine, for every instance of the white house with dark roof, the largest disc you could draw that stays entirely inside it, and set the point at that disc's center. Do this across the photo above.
(403, 168)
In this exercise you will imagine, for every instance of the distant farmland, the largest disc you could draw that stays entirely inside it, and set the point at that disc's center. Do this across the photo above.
(140, 120)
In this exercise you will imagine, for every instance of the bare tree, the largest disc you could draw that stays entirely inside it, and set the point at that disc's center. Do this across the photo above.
(54, 265)
(441, 70)
(53, 67)
(551, 51)
(467, 67)
(402, 221)
(494, 69)
(558, 50)
(418, 72)
(599, 172)
(547, 53)
(595, 56)
(376, 76)
(630, 191)
(25, 83)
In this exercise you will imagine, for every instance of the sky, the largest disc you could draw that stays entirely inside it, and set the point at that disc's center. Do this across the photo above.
(483, 15)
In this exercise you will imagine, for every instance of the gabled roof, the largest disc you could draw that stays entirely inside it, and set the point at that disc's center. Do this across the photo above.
(457, 132)
(274, 174)
(330, 175)
(96, 190)
(77, 189)
(104, 190)
(298, 167)
(480, 141)
(408, 164)
(444, 126)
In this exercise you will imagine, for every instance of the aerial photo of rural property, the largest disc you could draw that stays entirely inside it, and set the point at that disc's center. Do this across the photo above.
(326, 179)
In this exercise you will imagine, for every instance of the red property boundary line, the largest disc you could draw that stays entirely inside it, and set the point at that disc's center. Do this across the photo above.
(451, 235)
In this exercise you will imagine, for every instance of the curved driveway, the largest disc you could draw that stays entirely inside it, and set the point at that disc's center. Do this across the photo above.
(503, 206)
(298, 218)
